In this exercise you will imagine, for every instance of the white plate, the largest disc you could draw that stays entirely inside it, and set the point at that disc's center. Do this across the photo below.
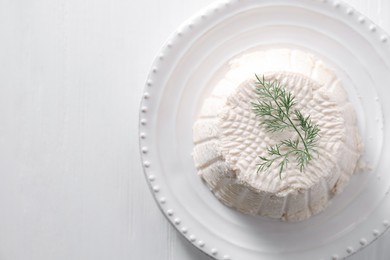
(195, 57)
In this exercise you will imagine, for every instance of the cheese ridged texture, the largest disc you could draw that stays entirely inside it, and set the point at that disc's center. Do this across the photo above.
(228, 138)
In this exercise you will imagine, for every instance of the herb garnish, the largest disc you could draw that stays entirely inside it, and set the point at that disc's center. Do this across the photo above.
(275, 108)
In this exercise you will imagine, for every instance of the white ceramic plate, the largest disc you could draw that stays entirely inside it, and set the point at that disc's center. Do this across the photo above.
(195, 57)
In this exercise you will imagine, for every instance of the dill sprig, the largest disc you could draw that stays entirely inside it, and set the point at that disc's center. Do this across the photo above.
(275, 107)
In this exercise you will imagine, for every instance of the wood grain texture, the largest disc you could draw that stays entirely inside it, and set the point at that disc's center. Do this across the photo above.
(71, 78)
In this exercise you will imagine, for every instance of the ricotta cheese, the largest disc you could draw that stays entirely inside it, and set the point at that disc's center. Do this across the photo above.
(228, 138)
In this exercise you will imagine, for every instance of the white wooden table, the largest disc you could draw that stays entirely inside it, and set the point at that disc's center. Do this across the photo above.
(71, 77)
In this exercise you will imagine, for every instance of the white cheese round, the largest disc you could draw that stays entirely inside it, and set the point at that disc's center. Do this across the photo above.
(228, 138)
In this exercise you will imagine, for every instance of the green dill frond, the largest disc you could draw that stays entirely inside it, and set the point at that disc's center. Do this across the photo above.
(273, 107)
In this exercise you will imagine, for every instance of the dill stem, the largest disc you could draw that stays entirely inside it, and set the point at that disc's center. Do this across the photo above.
(279, 118)
(291, 122)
